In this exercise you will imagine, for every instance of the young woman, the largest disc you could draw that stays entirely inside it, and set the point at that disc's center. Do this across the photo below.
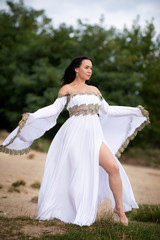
(82, 168)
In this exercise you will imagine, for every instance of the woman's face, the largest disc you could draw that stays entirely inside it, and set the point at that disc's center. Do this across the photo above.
(84, 71)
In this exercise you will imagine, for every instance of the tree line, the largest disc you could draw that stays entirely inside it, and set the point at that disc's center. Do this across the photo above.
(34, 54)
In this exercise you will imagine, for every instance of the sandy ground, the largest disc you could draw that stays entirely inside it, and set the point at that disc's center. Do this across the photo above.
(145, 183)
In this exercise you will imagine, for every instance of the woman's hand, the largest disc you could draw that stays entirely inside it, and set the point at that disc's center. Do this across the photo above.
(21, 119)
(147, 113)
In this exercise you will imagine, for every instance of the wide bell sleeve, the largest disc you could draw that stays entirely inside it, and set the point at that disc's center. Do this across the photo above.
(120, 124)
(32, 126)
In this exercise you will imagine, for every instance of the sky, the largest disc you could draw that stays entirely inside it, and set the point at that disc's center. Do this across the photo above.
(116, 13)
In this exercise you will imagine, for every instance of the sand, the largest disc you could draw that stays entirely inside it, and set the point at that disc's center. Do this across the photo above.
(29, 168)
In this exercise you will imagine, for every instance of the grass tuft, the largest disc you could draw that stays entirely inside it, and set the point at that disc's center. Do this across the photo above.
(1, 186)
(146, 213)
(18, 183)
(36, 185)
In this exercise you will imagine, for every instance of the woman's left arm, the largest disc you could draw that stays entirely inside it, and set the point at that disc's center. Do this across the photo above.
(122, 110)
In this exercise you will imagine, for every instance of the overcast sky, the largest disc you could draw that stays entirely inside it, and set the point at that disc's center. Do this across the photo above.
(116, 12)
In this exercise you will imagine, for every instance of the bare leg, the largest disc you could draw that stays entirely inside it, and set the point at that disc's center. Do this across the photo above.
(108, 162)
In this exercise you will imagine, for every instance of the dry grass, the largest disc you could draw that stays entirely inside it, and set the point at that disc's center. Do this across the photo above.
(34, 199)
(149, 157)
(3, 134)
(13, 189)
(31, 156)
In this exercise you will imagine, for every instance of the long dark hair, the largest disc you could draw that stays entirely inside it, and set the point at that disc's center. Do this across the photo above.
(69, 73)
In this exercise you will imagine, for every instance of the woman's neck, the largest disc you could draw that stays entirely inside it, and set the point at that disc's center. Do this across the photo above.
(79, 82)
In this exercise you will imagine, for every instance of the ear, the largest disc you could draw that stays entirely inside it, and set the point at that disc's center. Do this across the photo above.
(76, 69)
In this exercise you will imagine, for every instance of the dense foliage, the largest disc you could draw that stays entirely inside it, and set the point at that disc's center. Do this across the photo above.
(33, 55)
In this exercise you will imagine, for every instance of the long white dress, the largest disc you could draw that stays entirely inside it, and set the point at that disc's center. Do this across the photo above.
(73, 183)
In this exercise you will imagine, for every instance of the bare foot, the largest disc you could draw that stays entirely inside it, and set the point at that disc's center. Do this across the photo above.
(122, 216)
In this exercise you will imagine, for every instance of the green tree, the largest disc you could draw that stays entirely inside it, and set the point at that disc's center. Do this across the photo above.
(33, 56)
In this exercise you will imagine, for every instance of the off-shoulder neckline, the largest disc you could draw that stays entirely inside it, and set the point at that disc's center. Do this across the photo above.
(80, 93)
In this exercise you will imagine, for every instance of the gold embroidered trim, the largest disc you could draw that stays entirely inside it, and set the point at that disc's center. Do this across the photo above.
(13, 151)
(3, 148)
(83, 109)
(63, 95)
(125, 144)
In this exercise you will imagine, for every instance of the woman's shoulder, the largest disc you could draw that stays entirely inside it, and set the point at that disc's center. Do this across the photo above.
(64, 89)
(95, 89)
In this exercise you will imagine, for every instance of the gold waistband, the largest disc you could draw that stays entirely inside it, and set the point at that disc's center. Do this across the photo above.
(83, 109)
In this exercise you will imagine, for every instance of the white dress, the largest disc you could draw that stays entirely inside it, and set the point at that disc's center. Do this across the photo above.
(73, 183)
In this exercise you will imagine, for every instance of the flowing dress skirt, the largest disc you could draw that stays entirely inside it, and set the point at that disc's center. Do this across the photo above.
(73, 183)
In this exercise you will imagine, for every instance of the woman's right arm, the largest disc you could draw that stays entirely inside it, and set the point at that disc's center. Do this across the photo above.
(46, 112)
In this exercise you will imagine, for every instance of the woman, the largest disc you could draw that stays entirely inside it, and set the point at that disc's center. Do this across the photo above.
(82, 168)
